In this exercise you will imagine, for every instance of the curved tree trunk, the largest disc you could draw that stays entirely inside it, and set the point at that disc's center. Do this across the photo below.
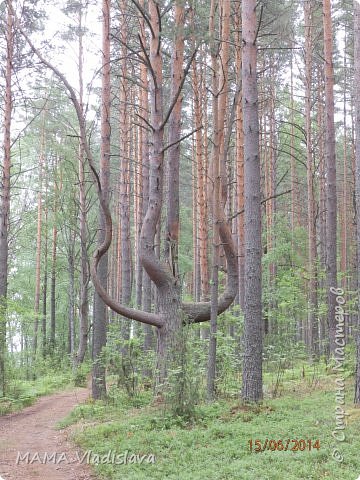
(172, 312)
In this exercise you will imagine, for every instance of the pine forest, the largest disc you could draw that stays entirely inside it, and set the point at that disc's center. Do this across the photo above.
(179, 239)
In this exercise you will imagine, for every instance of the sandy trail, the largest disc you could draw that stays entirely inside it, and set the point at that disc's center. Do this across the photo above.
(52, 456)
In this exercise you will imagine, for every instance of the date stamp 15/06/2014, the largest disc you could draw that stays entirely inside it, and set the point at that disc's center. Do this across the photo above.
(292, 445)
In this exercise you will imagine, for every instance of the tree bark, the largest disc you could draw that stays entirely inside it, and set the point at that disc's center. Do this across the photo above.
(71, 295)
(331, 201)
(53, 284)
(124, 197)
(38, 237)
(45, 279)
(5, 195)
(215, 200)
(323, 335)
(253, 330)
(201, 171)
(312, 249)
(84, 260)
(239, 161)
(173, 210)
(100, 320)
(149, 337)
(345, 207)
(357, 184)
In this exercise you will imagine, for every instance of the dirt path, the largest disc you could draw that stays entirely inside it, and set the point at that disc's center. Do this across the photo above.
(51, 456)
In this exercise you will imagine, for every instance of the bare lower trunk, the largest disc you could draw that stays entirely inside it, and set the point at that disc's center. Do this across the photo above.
(168, 336)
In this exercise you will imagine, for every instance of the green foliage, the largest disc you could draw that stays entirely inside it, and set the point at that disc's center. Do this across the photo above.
(80, 374)
(184, 377)
(127, 361)
(22, 393)
(228, 361)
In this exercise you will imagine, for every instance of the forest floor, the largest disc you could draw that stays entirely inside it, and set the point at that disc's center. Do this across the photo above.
(216, 444)
(31, 448)
(71, 438)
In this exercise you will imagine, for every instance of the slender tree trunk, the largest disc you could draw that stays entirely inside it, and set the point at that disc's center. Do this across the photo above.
(84, 261)
(45, 279)
(149, 337)
(57, 192)
(216, 198)
(223, 69)
(252, 361)
(357, 183)
(220, 60)
(100, 320)
(196, 280)
(322, 210)
(84, 268)
(331, 202)
(173, 211)
(201, 164)
(312, 250)
(53, 285)
(38, 237)
(71, 296)
(138, 211)
(5, 197)
(124, 200)
(240, 161)
(344, 220)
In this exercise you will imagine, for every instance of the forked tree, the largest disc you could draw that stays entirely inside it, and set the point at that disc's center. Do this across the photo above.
(173, 313)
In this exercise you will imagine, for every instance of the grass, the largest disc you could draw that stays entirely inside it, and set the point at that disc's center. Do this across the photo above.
(216, 445)
(23, 393)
